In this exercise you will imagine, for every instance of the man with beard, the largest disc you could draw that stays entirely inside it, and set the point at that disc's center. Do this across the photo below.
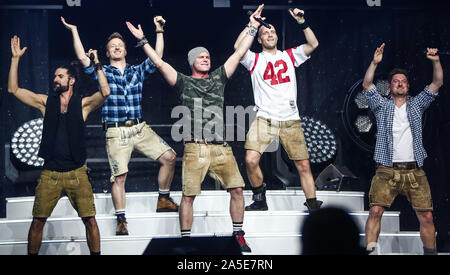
(275, 90)
(399, 152)
(62, 146)
(126, 131)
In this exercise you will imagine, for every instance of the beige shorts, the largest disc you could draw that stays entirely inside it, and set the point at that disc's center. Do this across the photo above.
(216, 160)
(122, 141)
(264, 131)
(75, 184)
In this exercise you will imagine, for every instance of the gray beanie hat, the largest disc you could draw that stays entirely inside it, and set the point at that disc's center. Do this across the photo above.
(192, 54)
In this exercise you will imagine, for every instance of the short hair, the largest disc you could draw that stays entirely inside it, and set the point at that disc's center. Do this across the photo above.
(397, 71)
(115, 35)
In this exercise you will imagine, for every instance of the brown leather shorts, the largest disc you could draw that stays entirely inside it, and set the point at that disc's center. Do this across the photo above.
(412, 183)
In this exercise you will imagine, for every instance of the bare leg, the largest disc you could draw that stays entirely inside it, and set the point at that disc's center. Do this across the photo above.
(92, 234)
(186, 212)
(306, 178)
(35, 235)
(118, 192)
(167, 169)
(427, 230)
(237, 205)
(254, 172)
(373, 224)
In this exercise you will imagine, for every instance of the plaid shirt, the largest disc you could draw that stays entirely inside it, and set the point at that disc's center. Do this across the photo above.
(383, 109)
(124, 102)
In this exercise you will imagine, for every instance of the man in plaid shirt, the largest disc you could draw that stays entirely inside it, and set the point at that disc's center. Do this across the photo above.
(122, 118)
(399, 151)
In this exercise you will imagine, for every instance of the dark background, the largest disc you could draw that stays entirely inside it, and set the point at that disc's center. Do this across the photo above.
(348, 33)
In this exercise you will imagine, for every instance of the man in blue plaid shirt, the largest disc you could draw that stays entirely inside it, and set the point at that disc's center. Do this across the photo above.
(122, 118)
(399, 151)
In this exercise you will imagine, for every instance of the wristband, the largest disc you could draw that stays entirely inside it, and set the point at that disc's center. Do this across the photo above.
(159, 31)
(303, 25)
(252, 31)
(98, 66)
(142, 42)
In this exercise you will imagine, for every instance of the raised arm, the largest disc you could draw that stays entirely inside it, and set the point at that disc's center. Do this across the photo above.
(168, 72)
(368, 77)
(438, 74)
(159, 45)
(311, 40)
(94, 101)
(244, 31)
(244, 42)
(77, 45)
(28, 97)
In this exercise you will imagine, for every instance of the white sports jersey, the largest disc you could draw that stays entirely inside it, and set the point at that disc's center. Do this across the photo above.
(274, 82)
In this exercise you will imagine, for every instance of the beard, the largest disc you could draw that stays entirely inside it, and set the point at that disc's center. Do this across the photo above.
(59, 89)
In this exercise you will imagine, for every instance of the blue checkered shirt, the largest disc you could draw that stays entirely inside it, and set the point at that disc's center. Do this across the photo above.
(383, 109)
(124, 102)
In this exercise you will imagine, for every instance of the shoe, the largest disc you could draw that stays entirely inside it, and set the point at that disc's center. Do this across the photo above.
(166, 204)
(121, 226)
(239, 235)
(312, 208)
(259, 201)
(257, 206)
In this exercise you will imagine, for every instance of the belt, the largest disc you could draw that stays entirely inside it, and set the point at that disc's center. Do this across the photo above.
(127, 123)
(202, 141)
(405, 165)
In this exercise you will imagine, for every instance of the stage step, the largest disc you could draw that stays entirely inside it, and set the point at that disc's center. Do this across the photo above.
(272, 232)
(168, 223)
(260, 243)
(145, 202)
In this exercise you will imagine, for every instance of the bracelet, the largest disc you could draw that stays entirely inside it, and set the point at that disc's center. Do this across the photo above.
(98, 66)
(142, 42)
(303, 25)
(159, 31)
(252, 31)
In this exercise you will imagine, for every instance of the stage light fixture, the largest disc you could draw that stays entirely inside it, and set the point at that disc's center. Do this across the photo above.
(363, 124)
(320, 140)
(25, 143)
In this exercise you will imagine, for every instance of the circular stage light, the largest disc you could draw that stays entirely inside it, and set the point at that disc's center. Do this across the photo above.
(25, 144)
(320, 140)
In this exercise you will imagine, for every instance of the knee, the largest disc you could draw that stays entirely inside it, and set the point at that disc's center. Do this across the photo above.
(89, 222)
(303, 166)
(236, 192)
(187, 200)
(168, 158)
(376, 212)
(252, 160)
(120, 180)
(38, 224)
(425, 218)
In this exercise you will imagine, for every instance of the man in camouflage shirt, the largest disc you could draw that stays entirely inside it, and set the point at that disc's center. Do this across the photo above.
(205, 150)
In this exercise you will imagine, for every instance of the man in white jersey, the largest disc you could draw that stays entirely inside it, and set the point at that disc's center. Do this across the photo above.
(275, 91)
(399, 151)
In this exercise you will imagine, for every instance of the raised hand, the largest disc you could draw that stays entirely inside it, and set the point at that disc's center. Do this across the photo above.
(432, 54)
(68, 26)
(94, 52)
(378, 55)
(294, 13)
(159, 26)
(138, 33)
(15, 47)
(257, 14)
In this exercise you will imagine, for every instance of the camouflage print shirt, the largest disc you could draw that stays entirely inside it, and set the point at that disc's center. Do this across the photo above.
(204, 98)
